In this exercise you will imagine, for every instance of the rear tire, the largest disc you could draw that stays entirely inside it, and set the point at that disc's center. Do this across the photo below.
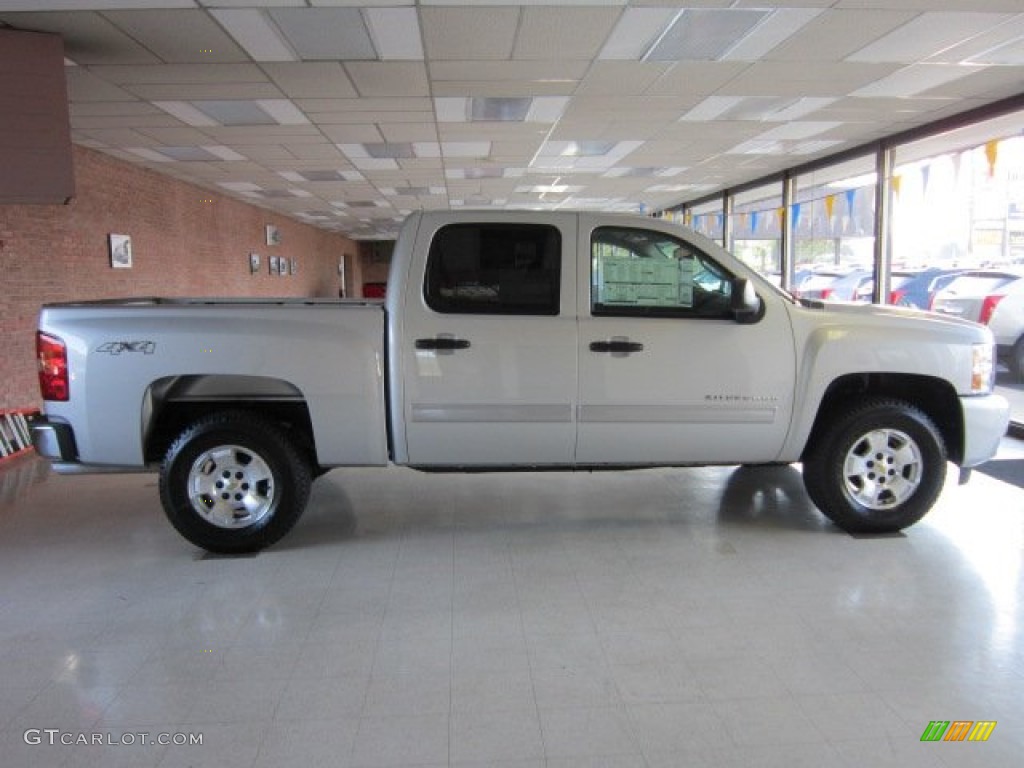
(233, 482)
(878, 468)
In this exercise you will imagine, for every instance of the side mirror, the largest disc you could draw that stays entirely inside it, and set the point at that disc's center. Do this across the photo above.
(746, 304)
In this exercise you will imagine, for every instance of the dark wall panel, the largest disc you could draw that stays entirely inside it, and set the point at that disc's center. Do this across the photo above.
(36, 166)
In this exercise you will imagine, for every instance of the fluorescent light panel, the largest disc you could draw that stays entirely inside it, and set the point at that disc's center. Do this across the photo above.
(542, 109)
(504, 110)
(226, 112)
(704, 34)
(772, 31)
(325, 34)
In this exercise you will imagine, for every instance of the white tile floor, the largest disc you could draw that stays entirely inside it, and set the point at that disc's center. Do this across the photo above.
(703, 617)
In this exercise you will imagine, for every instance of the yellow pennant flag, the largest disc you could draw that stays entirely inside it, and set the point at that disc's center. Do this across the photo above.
(830, 204)
(992, 154)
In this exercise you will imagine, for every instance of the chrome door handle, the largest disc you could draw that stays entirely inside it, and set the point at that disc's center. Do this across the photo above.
(617, 346)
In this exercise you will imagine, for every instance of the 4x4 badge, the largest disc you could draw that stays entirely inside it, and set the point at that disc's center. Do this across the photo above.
(117, 347)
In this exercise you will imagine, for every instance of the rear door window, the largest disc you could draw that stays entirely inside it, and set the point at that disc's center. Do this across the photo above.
(496, 269)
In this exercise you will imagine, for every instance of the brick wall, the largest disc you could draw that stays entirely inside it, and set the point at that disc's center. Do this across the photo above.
(186, 241)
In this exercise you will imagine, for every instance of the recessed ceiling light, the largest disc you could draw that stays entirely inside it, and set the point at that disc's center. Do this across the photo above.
(325, 34)
(704, 34)
(234, 113)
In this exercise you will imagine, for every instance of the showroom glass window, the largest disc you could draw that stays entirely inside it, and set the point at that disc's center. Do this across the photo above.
(496, 269)
(642, 273)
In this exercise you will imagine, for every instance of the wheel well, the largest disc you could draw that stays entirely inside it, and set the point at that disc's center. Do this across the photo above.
(935, 397)
(173, 403)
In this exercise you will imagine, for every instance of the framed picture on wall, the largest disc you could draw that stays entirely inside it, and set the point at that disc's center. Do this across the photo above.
(274, 266)
(120, 251)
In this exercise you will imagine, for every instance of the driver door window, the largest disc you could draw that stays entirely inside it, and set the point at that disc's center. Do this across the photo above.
(642, 273)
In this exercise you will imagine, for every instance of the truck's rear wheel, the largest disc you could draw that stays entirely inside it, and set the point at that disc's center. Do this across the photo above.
(878, 469)
(233, 482)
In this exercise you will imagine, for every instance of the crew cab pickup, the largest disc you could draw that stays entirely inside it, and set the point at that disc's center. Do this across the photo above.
(511, 341)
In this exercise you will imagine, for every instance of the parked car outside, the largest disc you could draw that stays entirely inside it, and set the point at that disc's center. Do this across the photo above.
(1007, 323)
(866, 288)
(833, 285)
(920, 290)
(975, 294)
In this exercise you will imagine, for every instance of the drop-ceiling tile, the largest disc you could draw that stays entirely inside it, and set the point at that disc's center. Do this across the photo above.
(410, 165)
(927, 35)
(327, 119)
(376, 79)
(356, 133)
(87, 122)
(205, 91)
(176, 136)
(504, 88)
(265, 153)
(119, 137)
(178, 36)
(301, 80)
(938, 5)
(264, 134)
(824, 79)
(182, 74)
(371, 106)
(692, 79)
(126, 109)
(322, 153)
(991, 83)
(508, 71)
(620, 78)
(836, 34)
(88, 37)
(84, 86)
(401, 132)
(462, 33)
(543, 30)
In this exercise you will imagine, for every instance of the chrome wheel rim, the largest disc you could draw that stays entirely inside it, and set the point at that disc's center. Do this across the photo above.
(231, 487)
(883, 469)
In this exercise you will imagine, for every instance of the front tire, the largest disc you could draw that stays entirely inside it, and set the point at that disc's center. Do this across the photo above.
(1017, 359)
(233, 482)
(877, 469)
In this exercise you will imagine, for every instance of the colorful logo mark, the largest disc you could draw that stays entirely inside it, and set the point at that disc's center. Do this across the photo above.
(958, 730)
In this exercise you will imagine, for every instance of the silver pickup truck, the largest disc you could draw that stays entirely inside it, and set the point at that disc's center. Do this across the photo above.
(512, 340)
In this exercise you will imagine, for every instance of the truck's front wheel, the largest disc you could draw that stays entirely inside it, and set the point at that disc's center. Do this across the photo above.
(878, 469)
(233, 482)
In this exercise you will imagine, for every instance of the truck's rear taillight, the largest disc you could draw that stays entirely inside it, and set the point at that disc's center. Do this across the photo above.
(52, 355)
(988, 306)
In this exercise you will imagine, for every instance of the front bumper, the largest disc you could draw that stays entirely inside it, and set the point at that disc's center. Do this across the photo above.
(986, 419)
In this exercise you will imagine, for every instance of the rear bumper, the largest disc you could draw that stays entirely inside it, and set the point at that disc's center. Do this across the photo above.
(986, 419)
(54, 440)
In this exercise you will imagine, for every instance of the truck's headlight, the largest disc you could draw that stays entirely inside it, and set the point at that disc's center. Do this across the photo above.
(983, 368)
